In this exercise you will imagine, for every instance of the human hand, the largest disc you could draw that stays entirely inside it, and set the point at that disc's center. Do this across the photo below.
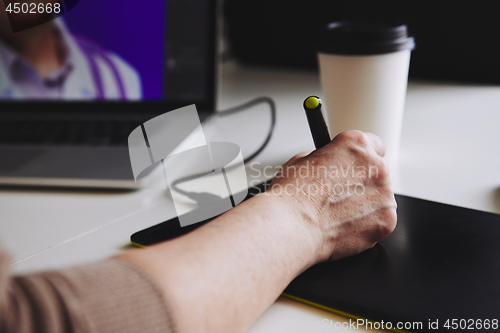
(342, 193)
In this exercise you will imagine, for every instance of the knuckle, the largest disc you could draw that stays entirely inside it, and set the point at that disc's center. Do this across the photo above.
(386, 195)
(359, 152)
(297, 157)
(379, 168)
(354, 137)
(388, 221)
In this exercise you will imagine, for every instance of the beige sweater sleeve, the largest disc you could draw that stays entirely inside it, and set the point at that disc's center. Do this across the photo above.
(113, 295)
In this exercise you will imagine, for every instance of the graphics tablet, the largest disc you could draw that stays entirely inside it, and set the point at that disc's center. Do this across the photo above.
(440, 268)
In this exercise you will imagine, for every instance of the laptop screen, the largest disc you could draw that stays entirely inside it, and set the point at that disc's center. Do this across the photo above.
(112, 50)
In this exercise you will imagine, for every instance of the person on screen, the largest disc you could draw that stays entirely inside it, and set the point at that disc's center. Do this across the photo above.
(222, 276)
(49, 62)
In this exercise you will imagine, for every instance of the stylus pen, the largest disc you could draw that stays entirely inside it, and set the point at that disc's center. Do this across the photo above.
(317, 125)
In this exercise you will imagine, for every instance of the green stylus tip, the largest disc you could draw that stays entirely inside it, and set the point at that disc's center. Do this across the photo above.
(312, 102)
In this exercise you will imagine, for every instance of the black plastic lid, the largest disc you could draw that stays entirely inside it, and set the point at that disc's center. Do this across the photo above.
(364, 38)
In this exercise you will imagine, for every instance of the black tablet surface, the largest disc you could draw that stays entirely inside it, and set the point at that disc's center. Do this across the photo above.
(442, 263)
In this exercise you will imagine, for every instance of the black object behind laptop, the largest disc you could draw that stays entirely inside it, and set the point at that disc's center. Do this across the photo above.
(455, 39)
(441, 263)
(83, 143)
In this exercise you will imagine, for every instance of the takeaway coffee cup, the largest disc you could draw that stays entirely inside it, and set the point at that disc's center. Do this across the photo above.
(364, 74)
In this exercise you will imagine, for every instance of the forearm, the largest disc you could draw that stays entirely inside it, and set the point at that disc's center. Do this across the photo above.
(222, 276)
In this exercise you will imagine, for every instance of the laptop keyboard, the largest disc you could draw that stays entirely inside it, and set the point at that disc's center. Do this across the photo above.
(93, 133)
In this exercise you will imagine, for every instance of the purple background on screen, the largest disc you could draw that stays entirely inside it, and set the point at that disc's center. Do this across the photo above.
(134, 30)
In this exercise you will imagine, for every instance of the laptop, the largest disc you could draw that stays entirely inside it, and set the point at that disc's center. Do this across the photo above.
(122, 65)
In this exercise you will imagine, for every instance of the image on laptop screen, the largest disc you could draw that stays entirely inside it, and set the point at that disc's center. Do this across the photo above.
(110, 50)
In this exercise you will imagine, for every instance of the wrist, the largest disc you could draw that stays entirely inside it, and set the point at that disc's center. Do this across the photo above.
(296, 214)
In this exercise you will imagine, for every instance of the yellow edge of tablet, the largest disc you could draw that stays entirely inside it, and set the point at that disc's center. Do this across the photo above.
(344, 314)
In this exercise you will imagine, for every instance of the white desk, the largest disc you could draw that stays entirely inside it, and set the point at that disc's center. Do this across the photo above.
(449, 153)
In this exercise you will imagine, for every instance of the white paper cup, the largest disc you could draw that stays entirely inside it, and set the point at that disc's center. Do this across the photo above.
(364, 74)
